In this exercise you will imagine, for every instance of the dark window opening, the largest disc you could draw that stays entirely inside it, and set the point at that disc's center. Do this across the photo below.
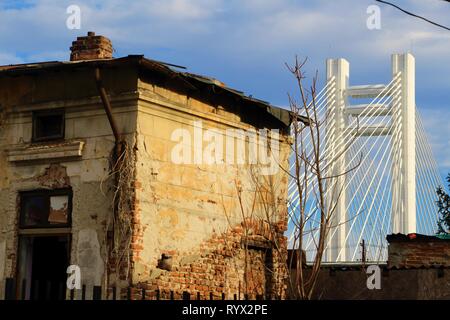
(45, 208)
(48, 125)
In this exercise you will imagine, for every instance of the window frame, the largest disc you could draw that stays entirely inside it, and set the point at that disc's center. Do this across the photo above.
(47, 194)
(48, 112)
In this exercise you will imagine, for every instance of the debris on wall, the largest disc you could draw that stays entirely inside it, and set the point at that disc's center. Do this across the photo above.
(54, 177)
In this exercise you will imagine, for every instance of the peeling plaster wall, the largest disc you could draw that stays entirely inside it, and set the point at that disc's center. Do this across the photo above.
(88, 175)
(89, 257)
(180, 207)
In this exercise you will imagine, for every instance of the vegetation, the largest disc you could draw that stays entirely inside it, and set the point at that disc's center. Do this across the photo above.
(444, 209)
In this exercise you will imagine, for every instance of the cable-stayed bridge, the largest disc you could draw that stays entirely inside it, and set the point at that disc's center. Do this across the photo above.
(390, 179)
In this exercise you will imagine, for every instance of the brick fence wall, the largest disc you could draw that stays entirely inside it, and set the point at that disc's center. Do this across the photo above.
(417, 251)
(418, 267)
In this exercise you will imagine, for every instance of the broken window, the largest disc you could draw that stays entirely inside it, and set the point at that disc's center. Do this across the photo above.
(43, 209)
(44, 243)
(48, 125)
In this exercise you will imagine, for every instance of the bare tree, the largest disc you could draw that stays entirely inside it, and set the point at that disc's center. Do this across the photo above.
(315, 180)
(262, 244)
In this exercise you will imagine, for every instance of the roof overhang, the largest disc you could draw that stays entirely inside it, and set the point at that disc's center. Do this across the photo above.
(190, 80)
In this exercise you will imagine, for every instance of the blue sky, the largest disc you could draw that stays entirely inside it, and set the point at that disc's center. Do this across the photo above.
(245, 43)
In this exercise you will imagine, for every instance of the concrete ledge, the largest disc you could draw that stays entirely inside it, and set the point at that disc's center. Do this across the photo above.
(36, 152)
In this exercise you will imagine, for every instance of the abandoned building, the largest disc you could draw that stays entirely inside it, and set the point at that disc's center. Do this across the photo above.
(88, 178)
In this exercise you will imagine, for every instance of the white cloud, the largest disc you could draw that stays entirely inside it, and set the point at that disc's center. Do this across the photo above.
(252, 37)
(182, 9)
(8, 58)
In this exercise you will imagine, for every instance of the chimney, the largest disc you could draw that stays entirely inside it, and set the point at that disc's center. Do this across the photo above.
(91, 47)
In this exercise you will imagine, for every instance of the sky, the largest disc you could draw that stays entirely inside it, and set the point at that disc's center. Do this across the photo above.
(246, 43)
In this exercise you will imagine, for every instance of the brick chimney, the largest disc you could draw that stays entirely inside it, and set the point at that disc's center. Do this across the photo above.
(91, 47)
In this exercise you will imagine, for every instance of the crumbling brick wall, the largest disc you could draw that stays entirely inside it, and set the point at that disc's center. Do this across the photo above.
(193, 213)
(246, 262)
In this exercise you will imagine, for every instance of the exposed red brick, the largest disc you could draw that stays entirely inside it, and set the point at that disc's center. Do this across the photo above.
(213, 271)
(91, 47)
(418, 251)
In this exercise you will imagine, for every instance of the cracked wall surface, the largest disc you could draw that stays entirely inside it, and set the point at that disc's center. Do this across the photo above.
(183, 208)
(87, 175)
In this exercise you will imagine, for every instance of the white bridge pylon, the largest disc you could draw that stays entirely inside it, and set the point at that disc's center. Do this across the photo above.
(375, 134)
(402, 125)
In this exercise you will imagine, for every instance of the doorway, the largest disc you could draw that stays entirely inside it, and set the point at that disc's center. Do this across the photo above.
(43, 261)
(44, 244)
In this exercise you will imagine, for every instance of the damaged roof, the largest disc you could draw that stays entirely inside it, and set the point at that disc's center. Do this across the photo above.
(191, 80)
